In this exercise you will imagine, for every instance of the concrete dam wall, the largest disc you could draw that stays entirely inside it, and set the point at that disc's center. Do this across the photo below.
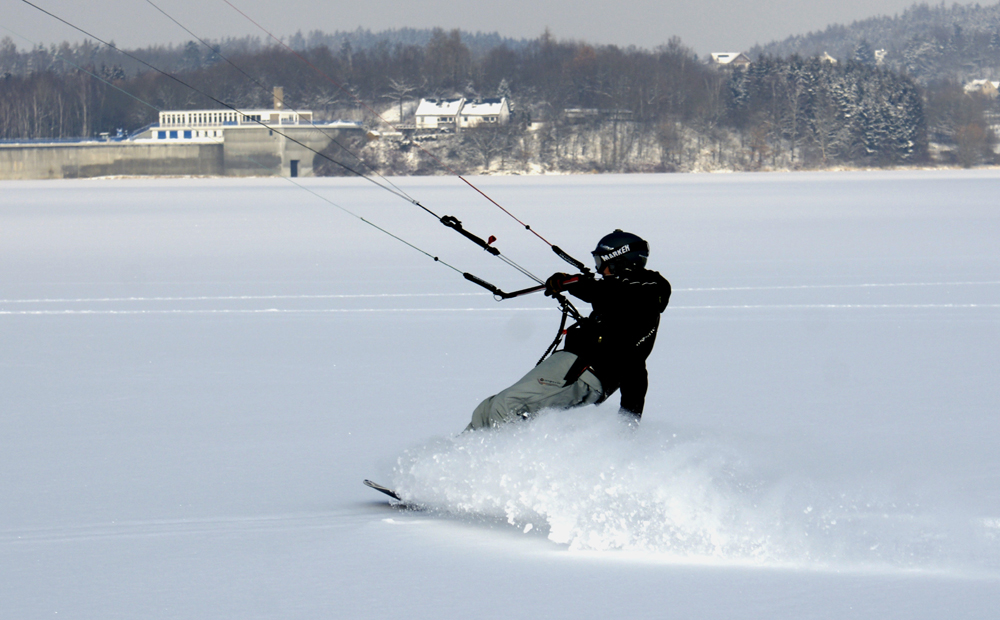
(241, 151)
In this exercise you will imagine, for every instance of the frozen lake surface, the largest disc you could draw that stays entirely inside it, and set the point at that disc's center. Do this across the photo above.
(198, 374)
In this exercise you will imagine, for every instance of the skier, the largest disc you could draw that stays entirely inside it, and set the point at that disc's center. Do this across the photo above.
(604, 352)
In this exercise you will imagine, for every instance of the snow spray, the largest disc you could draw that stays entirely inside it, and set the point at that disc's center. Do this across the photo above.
(589, 481)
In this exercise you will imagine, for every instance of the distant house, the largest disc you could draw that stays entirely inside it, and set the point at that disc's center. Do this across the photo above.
(827, 58)
(439, 114)
(452, 114)
(484, 111)
(730, 59)
(983, 87)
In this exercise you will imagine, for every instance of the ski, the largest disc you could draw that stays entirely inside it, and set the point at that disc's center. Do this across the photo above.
(378, 487)
(400, 503)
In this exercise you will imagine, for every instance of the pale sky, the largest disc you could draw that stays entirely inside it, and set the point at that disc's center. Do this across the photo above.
(706, 26)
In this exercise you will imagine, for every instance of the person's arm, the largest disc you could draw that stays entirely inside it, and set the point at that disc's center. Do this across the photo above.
(586, 288)
(579, 286)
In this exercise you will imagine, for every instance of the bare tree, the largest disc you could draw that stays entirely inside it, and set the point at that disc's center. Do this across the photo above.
(973, 144)
(399, 91)
(487, 141)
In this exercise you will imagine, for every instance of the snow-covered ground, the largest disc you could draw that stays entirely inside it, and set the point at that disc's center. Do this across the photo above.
(198, 374)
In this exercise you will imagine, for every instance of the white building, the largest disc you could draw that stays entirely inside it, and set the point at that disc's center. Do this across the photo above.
(438, 113)
(452, 114)
(983, 87)
(247, 142)
(202, 124)
(730, 59)
(484, 111)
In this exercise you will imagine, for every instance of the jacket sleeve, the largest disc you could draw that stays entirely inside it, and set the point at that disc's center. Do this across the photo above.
(626, 292)
(586, 289)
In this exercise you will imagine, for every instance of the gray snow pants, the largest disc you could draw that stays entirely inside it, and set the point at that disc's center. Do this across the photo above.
(542, 388)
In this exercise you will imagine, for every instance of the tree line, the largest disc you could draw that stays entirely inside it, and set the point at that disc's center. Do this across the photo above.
(931, 43)
(576, 106)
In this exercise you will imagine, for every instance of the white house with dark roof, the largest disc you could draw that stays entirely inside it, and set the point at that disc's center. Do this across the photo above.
(438, 113)
(730, 59)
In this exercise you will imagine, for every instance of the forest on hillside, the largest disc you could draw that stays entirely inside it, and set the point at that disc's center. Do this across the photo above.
(576, 107)
(934, 44)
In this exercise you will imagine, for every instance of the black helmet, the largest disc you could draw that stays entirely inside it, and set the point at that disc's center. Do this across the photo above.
(620, 251)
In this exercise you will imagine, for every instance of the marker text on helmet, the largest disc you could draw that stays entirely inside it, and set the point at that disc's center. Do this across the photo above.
(622, 250)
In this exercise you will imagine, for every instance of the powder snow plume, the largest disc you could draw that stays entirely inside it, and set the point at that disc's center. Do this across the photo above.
(591, 482)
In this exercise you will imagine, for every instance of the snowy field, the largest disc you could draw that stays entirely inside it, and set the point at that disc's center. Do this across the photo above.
(198, 374)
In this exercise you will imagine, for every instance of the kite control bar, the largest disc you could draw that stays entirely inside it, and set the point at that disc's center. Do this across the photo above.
(501, 295)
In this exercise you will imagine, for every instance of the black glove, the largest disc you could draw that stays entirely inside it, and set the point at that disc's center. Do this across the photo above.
(555, 283)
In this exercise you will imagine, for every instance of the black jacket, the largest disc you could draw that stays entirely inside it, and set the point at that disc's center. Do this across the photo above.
(617, 337)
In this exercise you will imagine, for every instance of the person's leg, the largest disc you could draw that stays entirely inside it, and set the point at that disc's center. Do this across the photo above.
(543, 387)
